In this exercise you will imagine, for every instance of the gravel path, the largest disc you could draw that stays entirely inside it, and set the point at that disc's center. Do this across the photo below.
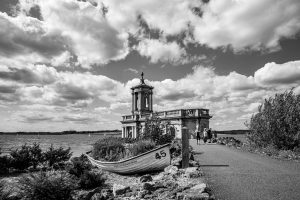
(238, 175)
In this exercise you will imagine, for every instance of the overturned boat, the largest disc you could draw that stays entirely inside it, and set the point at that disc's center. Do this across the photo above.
(153, 160)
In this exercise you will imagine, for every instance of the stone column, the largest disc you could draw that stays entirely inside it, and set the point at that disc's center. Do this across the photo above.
(132, 103)
(185, 148)
(151, 102)
(123, 133)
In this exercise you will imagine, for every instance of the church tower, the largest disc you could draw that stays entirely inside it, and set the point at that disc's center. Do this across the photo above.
(142, 101)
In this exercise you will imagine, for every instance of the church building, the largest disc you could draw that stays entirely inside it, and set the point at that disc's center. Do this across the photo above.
(142, 108)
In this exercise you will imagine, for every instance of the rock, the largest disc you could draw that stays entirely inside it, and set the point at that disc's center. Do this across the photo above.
(146, 178)
(158, 177)
(188, 195)
(148, 186)
(200, 187)
(96, 196)
(177, 162)
(171, 169)
(148, 196)
(142, 193)
(120, 189)
(193, 163)
(192, 172)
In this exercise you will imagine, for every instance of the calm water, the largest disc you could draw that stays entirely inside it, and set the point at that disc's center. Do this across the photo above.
(79, 143)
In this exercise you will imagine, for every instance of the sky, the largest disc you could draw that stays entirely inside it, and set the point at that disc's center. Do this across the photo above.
(69, 65)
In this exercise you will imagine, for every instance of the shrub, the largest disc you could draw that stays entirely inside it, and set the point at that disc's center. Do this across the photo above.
(58, 155)
(277, 122)
(79, 166)
(5, 164)
(154, 129)
(21, 158)
(139, 147)
(109, 149)
(91, 179)
(26, 157)
(175, 149)
(50, 185)
(5, 194)
(36, 155)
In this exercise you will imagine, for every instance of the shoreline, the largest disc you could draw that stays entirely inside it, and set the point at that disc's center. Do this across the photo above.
(105, 132)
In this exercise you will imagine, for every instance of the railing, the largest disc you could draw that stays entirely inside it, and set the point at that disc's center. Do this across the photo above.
(170, 114)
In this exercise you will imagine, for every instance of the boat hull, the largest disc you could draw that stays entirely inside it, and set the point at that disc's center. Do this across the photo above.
(154, 160)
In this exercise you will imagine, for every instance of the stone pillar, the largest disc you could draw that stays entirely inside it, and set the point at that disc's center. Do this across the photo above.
(185, 148)
(123, 132)
(151, 101)
(133, 131)
(133, 100)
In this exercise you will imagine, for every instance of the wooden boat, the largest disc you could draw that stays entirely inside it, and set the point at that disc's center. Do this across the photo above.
(153, 160)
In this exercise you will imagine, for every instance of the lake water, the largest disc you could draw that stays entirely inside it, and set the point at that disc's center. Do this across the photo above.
(79, 143)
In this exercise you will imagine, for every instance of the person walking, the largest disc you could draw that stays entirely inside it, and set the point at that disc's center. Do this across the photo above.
(209, 135)
(198, 137)
(205, 135)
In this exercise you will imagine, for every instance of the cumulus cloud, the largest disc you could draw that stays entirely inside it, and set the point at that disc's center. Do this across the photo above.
(272, 73)
(25, 36)
(93, 39)
(161, 51)
(247, 24)
(83, 29)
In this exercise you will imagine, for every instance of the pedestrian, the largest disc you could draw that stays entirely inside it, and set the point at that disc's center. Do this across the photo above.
(209, 135)
(205, 135)
(198, 137)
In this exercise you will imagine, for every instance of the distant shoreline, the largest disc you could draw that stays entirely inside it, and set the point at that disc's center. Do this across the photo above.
(108, 132)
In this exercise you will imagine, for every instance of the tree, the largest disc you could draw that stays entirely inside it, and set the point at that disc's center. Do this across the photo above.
(58, 155)
(277, 122)
(154, 130)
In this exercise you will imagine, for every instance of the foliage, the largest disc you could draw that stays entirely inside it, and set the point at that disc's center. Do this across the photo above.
(91, 179)
(175, 148)
(50, 185)
(58, 155)
(5, 194)
(36, 155)
(5, 164)
(139, 147)
(21, 158)
(109, 149)
(154, 130)
(113, 149)
(26, 156)
(277, 122)
(79, 166)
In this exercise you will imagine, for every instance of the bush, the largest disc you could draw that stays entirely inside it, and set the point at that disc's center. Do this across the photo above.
(58, 155)
(175, 149)
(109, 149)
(154, 129)
(277, 122)
(36, 155)
(79, 166)
(5, 194)
(5, 164)
(21, 158)
(50, 185)
(26, 157)
(91, 179)
(139, 147)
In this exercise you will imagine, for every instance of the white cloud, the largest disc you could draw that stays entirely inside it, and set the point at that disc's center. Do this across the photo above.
(93, 37)
(240, 24)
(272, 73)
(161, 51)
